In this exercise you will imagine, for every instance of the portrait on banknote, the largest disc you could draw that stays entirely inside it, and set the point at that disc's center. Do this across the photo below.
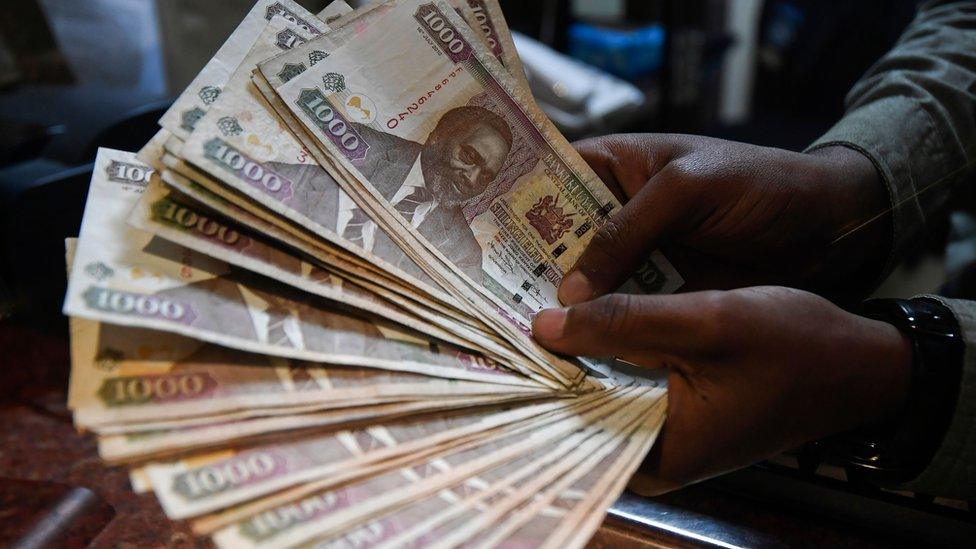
(462, 155)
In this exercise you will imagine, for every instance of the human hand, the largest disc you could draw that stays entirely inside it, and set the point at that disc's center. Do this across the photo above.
(731, 215)
(753, 372)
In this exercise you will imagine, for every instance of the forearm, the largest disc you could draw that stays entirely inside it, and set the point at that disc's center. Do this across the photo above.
(914, 116)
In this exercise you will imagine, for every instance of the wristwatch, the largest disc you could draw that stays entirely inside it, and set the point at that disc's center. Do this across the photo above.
(898, 450)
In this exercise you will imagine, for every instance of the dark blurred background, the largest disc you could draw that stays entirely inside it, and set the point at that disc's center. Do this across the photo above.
(78, 75)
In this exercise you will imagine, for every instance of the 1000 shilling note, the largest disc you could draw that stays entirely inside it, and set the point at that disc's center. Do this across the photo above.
(511, 452)
(324, 257)
(194, 486)
(241, 143)
(460, 158)
(162, 443)
(125, 276)
(506, 513)
(457, 156)
(486, 16)
(285, 501)
(177, 218)
(122, 375)
(166, 213)
(240, 123)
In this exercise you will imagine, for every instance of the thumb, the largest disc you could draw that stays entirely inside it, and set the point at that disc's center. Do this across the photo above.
(625, 325)
(625, 241)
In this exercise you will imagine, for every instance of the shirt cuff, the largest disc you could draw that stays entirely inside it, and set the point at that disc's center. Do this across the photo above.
(867, 129)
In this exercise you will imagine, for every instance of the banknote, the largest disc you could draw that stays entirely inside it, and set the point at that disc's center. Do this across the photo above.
(157, 213)
(379, 283)
(505, 513)
(479, 518)
(240, 143)
(190, 422)
(575, 512)
(190, 488)
(265, 529)
(122, 375)
(368, 498)
(165, 213)
(278, 35)
(207, 86)
(193, 183)
(458, 160)
(327, 258)
(546, 361)
(486, 16)
(164, 443)
(129, 277)
(528, 454)
(337, 210)
(241, 514)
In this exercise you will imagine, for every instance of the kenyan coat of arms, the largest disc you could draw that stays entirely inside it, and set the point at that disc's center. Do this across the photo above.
(547, 217)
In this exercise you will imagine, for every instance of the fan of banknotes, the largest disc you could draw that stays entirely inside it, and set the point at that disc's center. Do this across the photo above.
(300, 314)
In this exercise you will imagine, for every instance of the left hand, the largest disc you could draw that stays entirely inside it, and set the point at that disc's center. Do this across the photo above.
(753, 372)
(732, 215)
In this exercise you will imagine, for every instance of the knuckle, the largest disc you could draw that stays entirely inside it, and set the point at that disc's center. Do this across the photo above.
(716, 316)
(684, 171)
(590, 145)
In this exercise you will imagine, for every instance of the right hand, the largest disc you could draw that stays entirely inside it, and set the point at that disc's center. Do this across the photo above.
(731, 215)
(752, 372)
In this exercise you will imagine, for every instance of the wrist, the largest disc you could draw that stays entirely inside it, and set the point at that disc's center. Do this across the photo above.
(891, 359)
(844, 172)
(874, 372)
(857, 208)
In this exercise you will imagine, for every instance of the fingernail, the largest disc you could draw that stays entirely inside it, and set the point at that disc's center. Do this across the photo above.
(575, 288)
(550, 324)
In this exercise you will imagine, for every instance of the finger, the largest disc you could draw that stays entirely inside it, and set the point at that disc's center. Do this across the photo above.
(627, 161)
(632, 325)
(660, 209)
(598, 153)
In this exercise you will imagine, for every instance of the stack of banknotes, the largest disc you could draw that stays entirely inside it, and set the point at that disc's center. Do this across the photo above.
(300, 314)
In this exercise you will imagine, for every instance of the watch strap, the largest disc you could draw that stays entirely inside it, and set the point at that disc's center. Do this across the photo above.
(898, 450)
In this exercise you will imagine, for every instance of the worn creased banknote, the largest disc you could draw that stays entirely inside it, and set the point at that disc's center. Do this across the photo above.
(475, 180)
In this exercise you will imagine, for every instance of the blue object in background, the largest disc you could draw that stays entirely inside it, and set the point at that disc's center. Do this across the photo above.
(630, 54)
(784, 25)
